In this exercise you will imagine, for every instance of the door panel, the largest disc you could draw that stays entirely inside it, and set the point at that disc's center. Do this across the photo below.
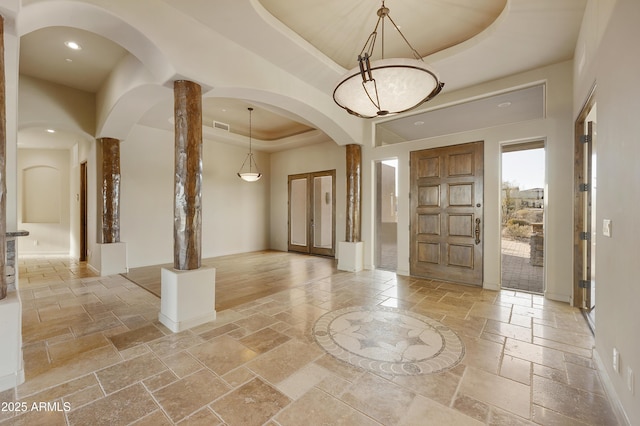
(446, 209)
(298, 215)
(312, 213)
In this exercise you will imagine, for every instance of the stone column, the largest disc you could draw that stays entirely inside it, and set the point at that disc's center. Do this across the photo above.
(187, 217)
(110, 190)
(188, 291)
(3, 168)
(351, 251)
(354, 185)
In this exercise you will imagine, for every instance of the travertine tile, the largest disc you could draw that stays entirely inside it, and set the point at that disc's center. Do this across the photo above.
(426, 412)
(83, 364)
(135, 337)
(174, 343)
(128, 372)
(571, 402)
(186, 396)
(438, 387)
(222, 354)
(67, 350)
(253, 403)
(516, 369)
(301, 381)
(534, 353)
(182, 364)
(281, 362)
(472, 407)
(380, 399)
(83, 397)
(120, 408)
(498, 391)
(482, 353)
(323, 409)
(156, 418)
(508, 330)
(204, 417)
(264, 340)
(160, 380)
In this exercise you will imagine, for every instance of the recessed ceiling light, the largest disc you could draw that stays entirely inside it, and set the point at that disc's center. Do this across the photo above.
(504, 104)
(418, 123)
(69, 60)
(50, 131)
(72, 45)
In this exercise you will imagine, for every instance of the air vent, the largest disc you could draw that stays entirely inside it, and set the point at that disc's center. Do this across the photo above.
(221, 126)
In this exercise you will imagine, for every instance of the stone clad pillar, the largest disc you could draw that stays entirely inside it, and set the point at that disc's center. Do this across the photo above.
(3, 168)
(110, 190)
(354, 187)
(187, 290)
(351, 251)
(111, 254)
(187, 217)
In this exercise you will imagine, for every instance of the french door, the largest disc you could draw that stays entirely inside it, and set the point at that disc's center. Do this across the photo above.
(312, 213)
(446, 213)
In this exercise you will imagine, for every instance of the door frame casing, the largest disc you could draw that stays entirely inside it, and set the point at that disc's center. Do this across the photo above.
(580, 216)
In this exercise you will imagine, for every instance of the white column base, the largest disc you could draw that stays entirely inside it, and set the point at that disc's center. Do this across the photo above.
(112, 259)
(351, 256)
(11, 364)
(188, 298)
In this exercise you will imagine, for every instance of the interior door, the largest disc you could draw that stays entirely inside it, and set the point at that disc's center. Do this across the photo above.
(312, 213)
(446, 213)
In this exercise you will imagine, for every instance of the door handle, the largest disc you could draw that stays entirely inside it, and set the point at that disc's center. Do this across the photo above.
(477, 231)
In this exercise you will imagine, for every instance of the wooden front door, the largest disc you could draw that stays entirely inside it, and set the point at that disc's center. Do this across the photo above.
(446, 213)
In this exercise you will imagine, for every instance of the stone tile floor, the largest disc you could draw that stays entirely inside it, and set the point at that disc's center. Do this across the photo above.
(517, 272)
(95, 354)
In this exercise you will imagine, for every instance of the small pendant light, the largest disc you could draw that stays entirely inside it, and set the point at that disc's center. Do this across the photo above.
(250, 173)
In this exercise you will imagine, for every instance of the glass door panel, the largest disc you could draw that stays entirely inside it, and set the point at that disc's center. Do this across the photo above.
(298, 216)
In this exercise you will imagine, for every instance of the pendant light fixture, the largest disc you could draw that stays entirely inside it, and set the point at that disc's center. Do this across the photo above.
(385, 86)
(250, 173)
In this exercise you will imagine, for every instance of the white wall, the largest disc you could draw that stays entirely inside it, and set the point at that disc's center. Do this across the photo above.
(45, 238)
(235, 214)
(556, 129)
(314, 158)
(613, 62)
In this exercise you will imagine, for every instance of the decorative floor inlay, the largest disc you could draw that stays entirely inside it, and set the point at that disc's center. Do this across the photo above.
(388, 340)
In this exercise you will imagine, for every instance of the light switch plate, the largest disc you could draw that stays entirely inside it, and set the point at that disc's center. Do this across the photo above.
(606, 227)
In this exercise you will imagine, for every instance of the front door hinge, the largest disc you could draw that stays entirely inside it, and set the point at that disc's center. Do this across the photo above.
(584, 187)
(585, 138)
(584, 284)
(585, 236)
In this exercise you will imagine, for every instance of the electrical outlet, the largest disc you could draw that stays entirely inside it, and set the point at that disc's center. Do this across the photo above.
(616, 360)
(630, 380)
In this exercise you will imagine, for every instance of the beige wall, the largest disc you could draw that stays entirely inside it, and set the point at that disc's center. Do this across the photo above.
(555, 129)
(235, 214)
(613, 63)
(314, 158)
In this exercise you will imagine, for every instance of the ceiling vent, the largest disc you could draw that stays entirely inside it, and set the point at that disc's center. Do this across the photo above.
(221, 126)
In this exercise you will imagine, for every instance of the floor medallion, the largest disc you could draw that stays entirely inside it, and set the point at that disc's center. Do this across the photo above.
(388, 340)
